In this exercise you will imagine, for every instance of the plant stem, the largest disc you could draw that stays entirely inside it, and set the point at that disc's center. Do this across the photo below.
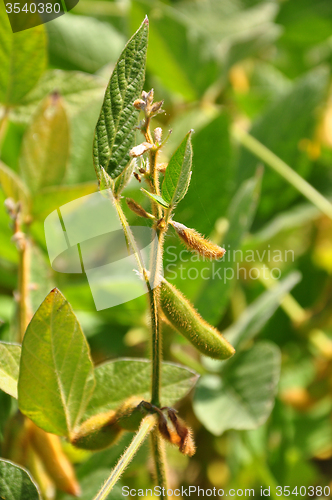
(3, 125)
(155, 268)
(145, 428)
(158, 453)
(23, 287)
(268, 157)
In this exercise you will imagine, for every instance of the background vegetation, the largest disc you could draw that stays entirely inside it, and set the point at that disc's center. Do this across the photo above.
(219, 64)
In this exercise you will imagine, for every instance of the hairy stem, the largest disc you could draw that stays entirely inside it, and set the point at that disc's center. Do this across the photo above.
(3, 125)
(158, 453)
(23, 287)
(146, 427)
(273, 161)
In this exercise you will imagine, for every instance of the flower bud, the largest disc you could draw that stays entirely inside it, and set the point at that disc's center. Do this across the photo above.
(157, 134)
(140, 149)
(139, 104)
(195, 241)
(156, 107)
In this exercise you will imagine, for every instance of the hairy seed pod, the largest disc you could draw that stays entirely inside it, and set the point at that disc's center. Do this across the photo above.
(57, 465)
(176, 431)
(195, 241)
(185, 319)
(98, 432)
(131, 413)
(137, 209)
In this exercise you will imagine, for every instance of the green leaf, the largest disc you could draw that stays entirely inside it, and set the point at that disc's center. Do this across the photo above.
(56, 373)
(155, 197)
(178, 173)
(82, 130)
(9, 367)
(16, 483)
(83, 43)
(123, 378)
(124, 178)
(243, 397)
(213, 171)
(49, 199)
(22, 60)
(255, 317)
(40, 276)
(76, 88)
(45, 148)
(14, 188)
(115, 131)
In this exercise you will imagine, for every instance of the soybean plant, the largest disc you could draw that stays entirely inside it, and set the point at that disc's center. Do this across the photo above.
(116, 158)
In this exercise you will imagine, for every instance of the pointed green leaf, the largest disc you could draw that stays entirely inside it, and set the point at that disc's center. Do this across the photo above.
(14, 188)
(123, 378)
(45, 148)
(156, 198)
(16, 483)
(115, 130)
(123, 179)
(243, 397)
(56, 373)
(22, 60)
(9, 367)
(178, 173)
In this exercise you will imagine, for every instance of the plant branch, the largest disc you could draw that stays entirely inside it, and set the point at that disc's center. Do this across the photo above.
(279, 166)
(158, 453)
(3, 125)
(23, 287)
(146, 427)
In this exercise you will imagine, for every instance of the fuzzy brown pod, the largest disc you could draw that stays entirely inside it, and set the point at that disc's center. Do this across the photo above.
(196, 242)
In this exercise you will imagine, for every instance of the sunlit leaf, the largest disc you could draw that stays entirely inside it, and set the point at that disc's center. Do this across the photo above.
(9, 367)
(45, 148)
(22, 60)
(56, 373)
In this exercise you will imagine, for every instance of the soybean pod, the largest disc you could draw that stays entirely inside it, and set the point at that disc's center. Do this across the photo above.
(185, 319)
